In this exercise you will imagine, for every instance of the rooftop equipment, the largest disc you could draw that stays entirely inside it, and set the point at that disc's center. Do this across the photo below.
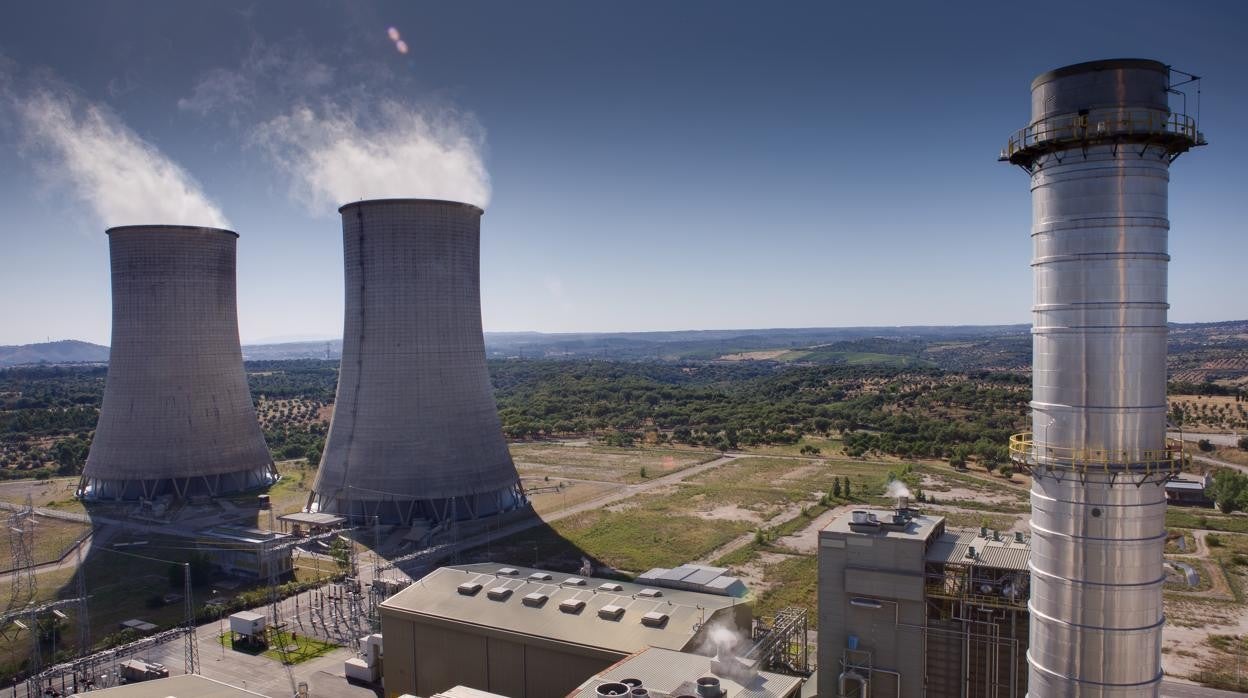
(1098, 152)
(415, 434)
(177, 417)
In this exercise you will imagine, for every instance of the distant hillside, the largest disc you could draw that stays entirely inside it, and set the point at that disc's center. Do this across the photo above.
(66, 351)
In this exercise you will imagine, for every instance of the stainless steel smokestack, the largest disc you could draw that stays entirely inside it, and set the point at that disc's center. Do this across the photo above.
(177, 416)
(416, 433)
(1098, 150)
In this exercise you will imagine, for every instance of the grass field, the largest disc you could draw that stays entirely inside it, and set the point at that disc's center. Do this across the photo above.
(791, 582)
(570, 493)
(52, 537)
(56, 493)
(687, 521)
(1192, 517)
(299, 648)
(828, 447)
(602, 463)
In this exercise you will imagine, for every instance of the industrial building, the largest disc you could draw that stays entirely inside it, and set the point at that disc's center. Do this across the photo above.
(1098, 151)
(248, 552)
(665, 673)
(177, 417)
(415, 436)
(908, 608)
(531, 633)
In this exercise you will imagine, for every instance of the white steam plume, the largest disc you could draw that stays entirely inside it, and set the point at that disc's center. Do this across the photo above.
(897, 488)
(124, 179)
(336, 155)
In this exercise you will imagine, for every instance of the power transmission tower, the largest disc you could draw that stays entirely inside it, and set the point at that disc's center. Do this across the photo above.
(190, 651)
(84, 619)
(21, 546)
(269, 558)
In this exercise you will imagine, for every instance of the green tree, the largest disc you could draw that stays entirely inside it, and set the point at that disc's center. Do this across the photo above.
(1204, 445)
(1243, 443)
(836, 488)
(340, 550)
(848, 492)
(69, 455)
(1229, 490)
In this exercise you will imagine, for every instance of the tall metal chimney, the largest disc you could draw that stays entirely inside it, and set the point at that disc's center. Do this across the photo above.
(1098, 149)
(416, 433)
(177, 416)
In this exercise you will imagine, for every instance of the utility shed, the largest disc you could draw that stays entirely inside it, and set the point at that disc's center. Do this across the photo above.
(665, 672)
(488, 627)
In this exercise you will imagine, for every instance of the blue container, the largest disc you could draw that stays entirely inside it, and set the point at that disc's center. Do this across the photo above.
(852, 642)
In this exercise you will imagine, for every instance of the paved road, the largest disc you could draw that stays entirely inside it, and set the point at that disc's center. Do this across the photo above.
(1173, 689)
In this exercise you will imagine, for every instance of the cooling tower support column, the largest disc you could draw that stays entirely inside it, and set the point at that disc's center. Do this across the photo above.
(177, 416)
(416, 433)
(1098, 150)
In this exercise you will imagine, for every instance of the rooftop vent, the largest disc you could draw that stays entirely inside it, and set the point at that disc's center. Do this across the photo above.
(499, 593)
(572, 606)
(611, 612)
(469, 588)
(607, 690)
(574, 581)
(510, 571)
(650, 593)
(539, 577)
(654, 619)
(708, 687)
(609, 586)
(1018, 537)
(970, 552)
(536, 600)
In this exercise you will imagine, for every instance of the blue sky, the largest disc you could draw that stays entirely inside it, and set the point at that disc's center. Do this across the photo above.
(652, 165)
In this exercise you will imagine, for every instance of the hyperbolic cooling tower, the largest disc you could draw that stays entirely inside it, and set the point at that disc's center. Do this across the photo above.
(1098, 150)
(177, 416)
(416, 433)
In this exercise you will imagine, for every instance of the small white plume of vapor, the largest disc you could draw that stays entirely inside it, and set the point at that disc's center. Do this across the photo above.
(123, 178)
(336, 155)
(897, 488)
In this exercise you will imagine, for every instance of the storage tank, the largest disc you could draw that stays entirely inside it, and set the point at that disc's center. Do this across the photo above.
(177, 416)
(415, 434)
(1098, 151)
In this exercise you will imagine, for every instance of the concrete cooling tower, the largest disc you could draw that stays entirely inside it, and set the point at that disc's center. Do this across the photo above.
(1098, 152)
(177, 416)
(415, 434)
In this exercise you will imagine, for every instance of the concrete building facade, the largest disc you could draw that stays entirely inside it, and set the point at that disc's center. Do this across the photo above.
(177, 417)
(910, 609)
(529, 633)
(415, 434)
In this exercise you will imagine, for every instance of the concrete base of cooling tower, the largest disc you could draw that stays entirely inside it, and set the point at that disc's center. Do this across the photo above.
(464, 508)
(129, 490)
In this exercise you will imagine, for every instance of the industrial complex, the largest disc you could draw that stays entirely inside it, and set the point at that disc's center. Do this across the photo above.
(909, 605)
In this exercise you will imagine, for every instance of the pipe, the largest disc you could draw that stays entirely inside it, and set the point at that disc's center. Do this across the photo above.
(846, 676)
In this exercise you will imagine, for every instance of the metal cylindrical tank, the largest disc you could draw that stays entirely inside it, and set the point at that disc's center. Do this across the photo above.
(177, 416)
(415, 433)
(1098, 151)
